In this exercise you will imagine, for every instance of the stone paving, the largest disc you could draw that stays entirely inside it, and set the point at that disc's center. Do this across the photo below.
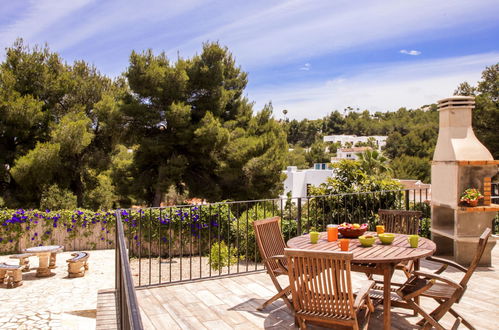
(56, 302)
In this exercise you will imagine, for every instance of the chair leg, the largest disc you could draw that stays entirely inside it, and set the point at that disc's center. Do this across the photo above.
(409, 267)
(281, 294)
(428, 320)
(440, 311)
(367, 316)
(463, 320)
(303, 325)
(456, 324)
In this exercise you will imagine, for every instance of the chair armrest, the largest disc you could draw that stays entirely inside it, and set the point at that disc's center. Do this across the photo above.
(278, 258)
(438, 278)
(362, 294)
(446, 263)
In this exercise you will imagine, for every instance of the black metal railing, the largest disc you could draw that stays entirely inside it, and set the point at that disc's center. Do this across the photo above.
(127, 308)
(190, 242)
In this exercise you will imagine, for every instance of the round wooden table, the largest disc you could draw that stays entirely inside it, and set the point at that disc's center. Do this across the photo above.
(379, 259)
(46, 258)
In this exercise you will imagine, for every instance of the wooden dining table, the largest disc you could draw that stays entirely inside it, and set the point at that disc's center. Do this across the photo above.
(379, 259)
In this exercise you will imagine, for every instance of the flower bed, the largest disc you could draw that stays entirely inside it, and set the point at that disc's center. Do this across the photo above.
(75, 229)
(155, 231)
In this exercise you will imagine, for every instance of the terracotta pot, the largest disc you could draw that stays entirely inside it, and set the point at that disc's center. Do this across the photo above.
(473, 203)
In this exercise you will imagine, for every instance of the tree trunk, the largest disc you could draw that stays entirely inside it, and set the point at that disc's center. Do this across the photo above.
(78, 190)
(158, 197)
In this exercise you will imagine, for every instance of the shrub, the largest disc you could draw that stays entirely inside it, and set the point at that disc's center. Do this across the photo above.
(55, 198)
(102, 196)
(220, 257)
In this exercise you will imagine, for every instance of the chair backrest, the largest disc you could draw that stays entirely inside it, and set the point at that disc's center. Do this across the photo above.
(482, 242)
(400, 221)
(320, 282)
(269, 239)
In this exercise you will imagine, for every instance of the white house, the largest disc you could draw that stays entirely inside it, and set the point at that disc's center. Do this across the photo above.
(297, 181)
(348, 153)
(353, 139)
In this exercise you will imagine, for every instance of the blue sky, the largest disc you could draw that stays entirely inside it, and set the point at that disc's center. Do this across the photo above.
(309, 57)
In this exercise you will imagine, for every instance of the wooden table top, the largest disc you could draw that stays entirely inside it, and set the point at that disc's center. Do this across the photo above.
(396, 252)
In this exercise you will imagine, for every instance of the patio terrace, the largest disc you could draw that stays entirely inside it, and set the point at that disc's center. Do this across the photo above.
(230, 303)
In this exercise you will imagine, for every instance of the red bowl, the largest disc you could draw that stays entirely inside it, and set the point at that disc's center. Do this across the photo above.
(352, 232)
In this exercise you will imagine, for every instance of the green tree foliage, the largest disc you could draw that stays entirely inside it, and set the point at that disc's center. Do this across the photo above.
(193, 126)
(297, 157)
(317, 154)
(410, 167)
(59, 124)
(351, 177)
(372, 162)
(486, 113)
(54, 198)
(304, 133)
(410, 133)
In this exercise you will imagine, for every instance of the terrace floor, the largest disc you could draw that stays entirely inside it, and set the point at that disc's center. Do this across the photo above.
(57, 302)
(230, 303)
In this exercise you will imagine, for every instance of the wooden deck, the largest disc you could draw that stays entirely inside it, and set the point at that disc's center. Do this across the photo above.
(230, 303)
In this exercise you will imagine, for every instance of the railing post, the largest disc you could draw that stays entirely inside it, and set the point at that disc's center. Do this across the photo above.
(298, 216)
(407, 206)
(117, 268)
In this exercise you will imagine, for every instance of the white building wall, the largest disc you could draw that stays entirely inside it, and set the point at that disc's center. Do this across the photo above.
(347, 154)
(343, 139)
(297, 180)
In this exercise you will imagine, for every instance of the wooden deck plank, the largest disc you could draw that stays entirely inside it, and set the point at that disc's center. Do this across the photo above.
(230, 303)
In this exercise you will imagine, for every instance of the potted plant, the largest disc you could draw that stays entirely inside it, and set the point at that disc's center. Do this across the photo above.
(471, 196)
(314, 236)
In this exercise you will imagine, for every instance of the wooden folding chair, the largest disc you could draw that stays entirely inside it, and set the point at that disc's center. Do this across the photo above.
(271, 245)
(445, 291)
(401, 222)
(321, 287)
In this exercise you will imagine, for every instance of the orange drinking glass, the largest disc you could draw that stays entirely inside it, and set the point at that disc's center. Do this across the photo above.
(343, 244)
(332, 233)
(380, 229)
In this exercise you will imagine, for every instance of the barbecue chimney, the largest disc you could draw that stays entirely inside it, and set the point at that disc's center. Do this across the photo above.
(460, 161)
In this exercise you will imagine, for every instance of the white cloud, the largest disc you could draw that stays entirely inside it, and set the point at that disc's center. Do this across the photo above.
(300, 29)
(306, 67)
(39, 16)
(378, 88)
(410, 52)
